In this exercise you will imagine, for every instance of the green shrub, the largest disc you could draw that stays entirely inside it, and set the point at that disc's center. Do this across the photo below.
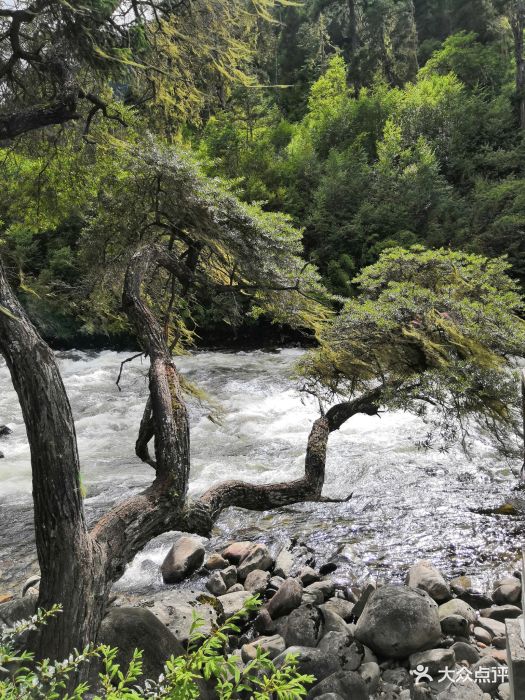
(206, 660)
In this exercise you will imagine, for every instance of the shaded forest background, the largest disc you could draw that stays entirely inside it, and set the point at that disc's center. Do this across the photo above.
(371, 124)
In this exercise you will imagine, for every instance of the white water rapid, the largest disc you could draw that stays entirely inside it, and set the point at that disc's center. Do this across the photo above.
(406, 505)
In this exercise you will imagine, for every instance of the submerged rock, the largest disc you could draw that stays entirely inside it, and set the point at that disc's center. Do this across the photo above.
(398, 621)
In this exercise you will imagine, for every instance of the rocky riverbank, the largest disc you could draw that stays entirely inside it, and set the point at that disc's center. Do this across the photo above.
(428, 639)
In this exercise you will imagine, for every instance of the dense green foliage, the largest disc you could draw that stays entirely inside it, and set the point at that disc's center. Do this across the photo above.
(206, 660)
(435, 330)
(370, 124)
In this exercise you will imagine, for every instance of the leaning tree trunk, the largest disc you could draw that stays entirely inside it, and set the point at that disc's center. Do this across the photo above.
(69, 559)
(79, 567)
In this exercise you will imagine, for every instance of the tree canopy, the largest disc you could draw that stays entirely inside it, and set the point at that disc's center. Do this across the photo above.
(437, 332)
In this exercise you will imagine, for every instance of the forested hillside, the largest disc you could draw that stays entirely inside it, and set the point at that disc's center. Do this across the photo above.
(370, 123)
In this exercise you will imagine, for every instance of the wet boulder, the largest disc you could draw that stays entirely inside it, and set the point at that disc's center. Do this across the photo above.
(138, 628)
(398, 621)
(215, 561)
(185, 557)
(307, 576)
(5, 430)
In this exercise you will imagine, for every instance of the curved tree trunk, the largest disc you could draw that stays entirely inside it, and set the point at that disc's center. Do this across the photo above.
(78, 568)
(69, 560)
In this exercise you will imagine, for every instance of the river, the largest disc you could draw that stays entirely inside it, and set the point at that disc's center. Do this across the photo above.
(407, 504)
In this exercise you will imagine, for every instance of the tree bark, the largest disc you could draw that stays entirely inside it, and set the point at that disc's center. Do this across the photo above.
(517, 23)
(78, 568)
(23, 121)
(69, 561)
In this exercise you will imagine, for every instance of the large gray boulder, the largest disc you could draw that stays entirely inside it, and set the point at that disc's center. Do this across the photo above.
(185, 557)
(138, 628)
(398, 621)
(426, 577)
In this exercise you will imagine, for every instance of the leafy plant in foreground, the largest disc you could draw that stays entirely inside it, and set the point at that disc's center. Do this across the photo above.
(207, 660)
